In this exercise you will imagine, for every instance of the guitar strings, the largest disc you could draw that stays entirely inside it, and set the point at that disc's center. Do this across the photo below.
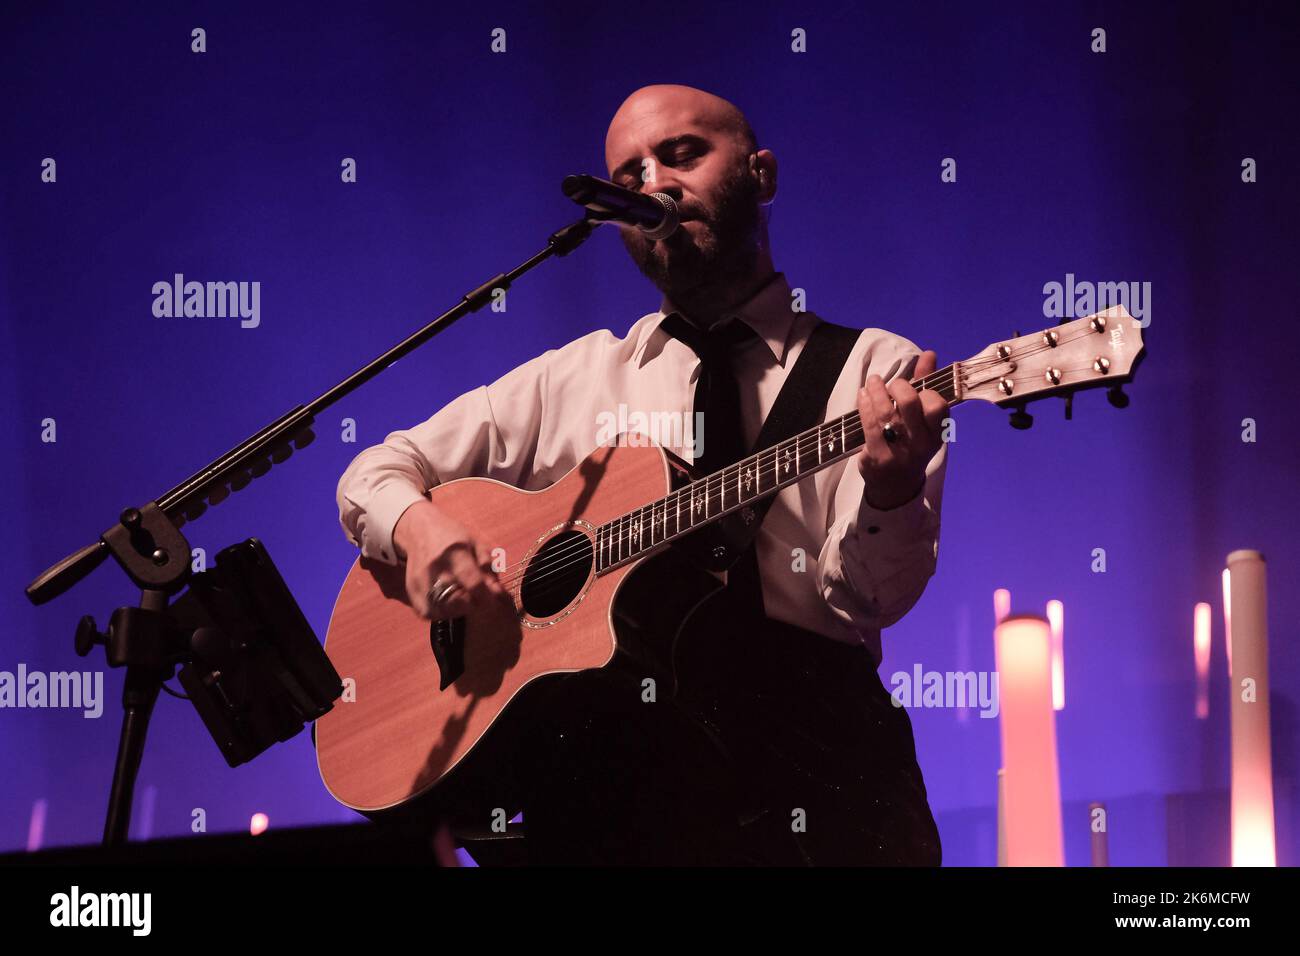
(576, 552)
(714, 482)
(621, 526)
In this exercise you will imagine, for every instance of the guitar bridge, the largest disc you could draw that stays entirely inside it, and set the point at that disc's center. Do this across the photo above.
(447, 641)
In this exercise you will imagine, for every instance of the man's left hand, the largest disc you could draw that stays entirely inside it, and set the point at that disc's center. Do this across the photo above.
(894, 472)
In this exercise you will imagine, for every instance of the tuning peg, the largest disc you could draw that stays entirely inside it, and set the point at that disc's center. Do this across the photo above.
(1115, 395)
(1069, 407)
(1020, 418)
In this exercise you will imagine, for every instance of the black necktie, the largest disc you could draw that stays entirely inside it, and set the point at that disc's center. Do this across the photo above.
(717, 396)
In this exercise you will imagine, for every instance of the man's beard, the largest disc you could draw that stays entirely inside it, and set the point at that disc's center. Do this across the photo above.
(690, 268)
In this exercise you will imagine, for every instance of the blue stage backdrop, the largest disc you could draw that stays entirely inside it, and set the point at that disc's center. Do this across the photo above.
(1167, 161)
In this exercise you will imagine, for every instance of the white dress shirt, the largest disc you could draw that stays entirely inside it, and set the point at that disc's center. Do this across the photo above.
(828, 561)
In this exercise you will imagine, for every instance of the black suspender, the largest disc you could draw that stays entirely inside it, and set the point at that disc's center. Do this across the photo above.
(800, 405)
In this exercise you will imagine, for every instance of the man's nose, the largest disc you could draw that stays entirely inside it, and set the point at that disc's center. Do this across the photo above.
(665, 182)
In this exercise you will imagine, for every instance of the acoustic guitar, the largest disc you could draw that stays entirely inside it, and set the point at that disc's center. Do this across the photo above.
(429, 705)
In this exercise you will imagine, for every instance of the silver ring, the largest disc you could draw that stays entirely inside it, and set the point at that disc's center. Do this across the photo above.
(892, 432)
(441, 590)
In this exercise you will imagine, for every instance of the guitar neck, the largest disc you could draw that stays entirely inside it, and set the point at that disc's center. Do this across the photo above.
(637, 533)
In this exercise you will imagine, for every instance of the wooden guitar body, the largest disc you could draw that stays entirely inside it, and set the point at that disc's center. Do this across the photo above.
(419, 714)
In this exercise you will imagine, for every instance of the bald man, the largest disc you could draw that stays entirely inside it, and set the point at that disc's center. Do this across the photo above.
(807, 761)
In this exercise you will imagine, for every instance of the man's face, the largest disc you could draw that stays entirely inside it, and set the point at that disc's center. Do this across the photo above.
(704, 166)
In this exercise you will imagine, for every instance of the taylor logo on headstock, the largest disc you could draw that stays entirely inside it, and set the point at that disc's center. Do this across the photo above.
(1097, 351)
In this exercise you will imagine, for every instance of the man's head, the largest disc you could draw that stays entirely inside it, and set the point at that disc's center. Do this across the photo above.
(699, 149)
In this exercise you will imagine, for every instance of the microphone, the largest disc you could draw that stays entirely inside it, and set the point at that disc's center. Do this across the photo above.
(654, 214)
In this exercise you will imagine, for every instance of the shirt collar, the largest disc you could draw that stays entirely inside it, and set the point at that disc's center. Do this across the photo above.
(767, 312)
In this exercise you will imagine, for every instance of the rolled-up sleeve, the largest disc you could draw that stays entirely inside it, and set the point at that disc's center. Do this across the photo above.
(875, 564)
(466, 437)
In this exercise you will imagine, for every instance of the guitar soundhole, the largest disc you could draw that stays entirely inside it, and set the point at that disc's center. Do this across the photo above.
(556, 574)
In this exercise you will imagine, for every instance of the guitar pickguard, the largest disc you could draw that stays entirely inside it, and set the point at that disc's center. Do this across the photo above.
(447, 641)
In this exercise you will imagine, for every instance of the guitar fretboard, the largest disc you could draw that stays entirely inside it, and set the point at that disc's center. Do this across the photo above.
(707, 499)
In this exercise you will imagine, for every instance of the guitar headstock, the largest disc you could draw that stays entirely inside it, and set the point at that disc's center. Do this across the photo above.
(1099, 351)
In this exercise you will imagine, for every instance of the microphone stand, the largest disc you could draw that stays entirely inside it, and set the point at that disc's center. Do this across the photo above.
(149, 546)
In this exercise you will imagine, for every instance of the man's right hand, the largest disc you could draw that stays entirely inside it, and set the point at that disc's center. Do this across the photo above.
(437, 547)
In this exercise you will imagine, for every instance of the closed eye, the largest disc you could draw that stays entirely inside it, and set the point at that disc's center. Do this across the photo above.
(684, 153)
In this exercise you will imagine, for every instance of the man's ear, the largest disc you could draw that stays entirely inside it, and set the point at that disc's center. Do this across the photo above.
(763, 166)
